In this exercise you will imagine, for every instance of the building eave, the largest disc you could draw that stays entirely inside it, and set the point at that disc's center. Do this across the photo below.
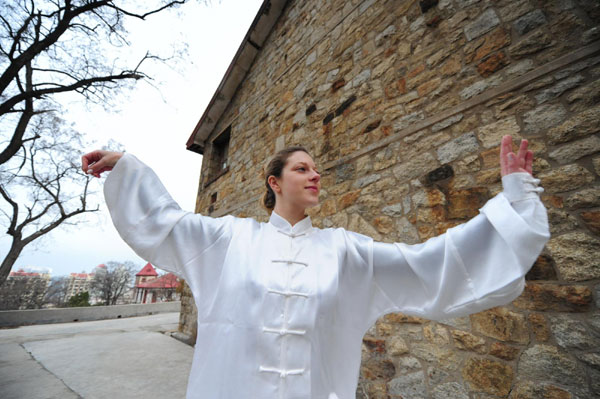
(261, 27)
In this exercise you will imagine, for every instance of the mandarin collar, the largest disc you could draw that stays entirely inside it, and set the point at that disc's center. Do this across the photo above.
(283, 225)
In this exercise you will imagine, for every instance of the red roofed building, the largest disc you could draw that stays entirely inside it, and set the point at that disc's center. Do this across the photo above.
(150, 288)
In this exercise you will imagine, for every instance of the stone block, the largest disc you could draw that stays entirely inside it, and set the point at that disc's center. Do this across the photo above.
(535, 390)
(566, 178)
(586, 198)
(384, 224)
(590, 35)
(468, 342)
(576, 256)
(491, 64)
(592, 221)
(446, 123)
(437, 175)
(408, 386)
(451, 67)
(488, 177)
(552, 297)
(479, 87)
(482, 24)
(501, 324)
(577, 149)
(571, 333)
(514, 9)
(450, 390)
(454, 149)
(465, 203)
(431, 215)
(529, 22)
(539, 327)
(572, 69)
(504, 351)
(580, 125)
(417, 166)
(439, 56)
(400, 318)
(491, 135)
(436, 334)
(397, 346)
(428, 198)
(374, 344)
(489, 376)
(493, 41)
(375, 368)
(445, 358)
(463, 323)
(530, 45)
(429, 86)
(561, 221)
(407, 120)
(547, 363)
(408, 364)
(596, 163)
(559, 88)
(542, 269)
(348, 199)
(542, 118)
(585, 96)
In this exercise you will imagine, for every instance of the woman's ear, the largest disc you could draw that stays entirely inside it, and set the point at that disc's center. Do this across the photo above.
(274, 184)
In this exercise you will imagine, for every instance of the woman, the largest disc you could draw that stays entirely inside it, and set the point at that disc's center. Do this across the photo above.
(282, 306)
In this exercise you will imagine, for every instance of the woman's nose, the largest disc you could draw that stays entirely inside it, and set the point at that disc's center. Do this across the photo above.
(316, 177)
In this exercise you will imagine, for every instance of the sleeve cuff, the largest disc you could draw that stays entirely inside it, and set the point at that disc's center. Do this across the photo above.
(520, 186)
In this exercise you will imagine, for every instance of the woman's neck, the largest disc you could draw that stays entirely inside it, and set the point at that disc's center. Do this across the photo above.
(292, 215)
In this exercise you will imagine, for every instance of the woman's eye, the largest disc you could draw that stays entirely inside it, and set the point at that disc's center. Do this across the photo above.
(301, 169)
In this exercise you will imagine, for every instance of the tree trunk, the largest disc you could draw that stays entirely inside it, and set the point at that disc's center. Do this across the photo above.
(10, 259)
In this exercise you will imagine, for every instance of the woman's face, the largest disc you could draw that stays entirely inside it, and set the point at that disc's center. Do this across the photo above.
(300, 182)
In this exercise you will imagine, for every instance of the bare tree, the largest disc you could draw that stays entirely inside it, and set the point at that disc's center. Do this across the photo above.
(56, 294)
(22, 293)
(49, 47)
(42, 187)
(111, 283)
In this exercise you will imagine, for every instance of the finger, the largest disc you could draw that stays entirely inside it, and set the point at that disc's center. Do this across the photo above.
(529, 162)
(97, 166)
(513, 164)
(505, 149)
(522, 150)
(88, 159)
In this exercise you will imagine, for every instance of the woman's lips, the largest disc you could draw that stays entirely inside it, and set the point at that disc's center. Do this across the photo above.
(312, 189)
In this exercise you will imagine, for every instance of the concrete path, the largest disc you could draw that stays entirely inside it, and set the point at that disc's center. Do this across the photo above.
(122, 358)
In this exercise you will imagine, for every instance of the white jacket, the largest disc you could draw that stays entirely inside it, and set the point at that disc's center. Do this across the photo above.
(282, 309)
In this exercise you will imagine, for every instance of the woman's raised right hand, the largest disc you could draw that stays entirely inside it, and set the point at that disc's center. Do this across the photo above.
(99, 161)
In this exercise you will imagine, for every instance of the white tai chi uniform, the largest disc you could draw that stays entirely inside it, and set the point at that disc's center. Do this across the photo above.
(282, 309)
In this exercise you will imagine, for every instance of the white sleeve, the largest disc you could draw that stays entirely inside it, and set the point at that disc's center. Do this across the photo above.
(152, 223)
(472, 267)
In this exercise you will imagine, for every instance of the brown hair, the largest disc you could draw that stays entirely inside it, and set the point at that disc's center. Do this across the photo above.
(274, 168)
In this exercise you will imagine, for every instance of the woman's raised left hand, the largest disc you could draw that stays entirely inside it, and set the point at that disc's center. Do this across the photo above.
(511, 163)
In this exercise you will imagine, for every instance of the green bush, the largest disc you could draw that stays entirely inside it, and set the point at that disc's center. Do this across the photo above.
(78, 300)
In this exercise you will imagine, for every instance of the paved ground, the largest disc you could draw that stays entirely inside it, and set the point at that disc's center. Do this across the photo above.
(122, 358)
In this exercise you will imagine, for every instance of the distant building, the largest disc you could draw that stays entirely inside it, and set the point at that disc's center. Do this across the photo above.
(24, 290)
(150, 287)
(81, 282)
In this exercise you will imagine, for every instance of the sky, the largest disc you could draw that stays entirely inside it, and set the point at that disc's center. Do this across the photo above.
(153, 122)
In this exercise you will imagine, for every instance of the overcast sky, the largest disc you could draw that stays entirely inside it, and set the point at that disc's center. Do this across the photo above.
(153, 124)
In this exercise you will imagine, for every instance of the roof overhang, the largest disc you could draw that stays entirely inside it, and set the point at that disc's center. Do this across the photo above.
(265, 19)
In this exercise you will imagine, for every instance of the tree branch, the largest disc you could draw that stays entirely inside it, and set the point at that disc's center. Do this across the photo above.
(8, 104)
(143, 16)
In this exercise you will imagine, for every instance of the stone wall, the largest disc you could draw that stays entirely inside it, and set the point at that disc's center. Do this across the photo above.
(403, 107)
(16, 318)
